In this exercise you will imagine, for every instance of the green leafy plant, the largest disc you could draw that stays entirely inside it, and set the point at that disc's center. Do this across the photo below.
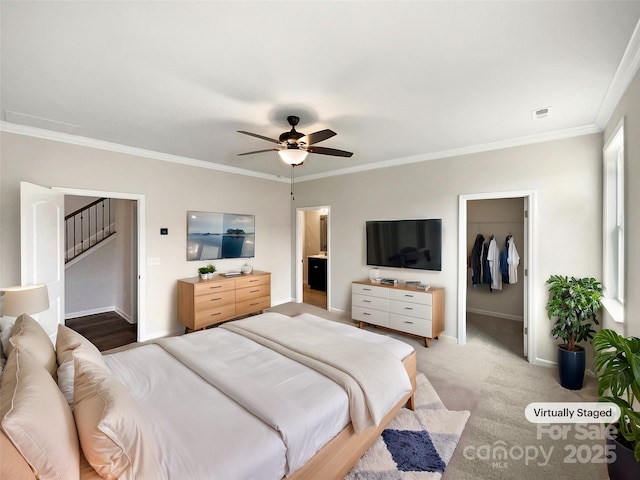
(617, 367)
(573, 302)
(210, 268)
(203, 270)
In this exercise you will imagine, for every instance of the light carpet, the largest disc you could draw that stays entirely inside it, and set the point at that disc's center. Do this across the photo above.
(416, 444)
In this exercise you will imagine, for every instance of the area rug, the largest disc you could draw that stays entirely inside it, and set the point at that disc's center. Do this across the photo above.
(416, 445)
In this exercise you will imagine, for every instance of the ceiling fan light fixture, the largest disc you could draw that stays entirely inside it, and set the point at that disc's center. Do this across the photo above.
(293, 156)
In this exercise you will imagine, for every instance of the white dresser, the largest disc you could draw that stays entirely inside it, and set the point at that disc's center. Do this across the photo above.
(400, 308)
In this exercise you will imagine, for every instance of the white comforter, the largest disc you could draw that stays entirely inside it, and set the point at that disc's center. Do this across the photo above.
(223, 406)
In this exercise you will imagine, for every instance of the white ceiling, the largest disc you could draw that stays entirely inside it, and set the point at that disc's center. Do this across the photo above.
(398, 81)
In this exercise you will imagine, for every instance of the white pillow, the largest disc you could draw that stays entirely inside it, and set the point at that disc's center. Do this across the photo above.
(5, 332)
(68, 343)
(36, 418)
(114, 436)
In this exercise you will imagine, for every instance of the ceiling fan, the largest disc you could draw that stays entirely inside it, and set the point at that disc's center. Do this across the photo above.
(295, 146)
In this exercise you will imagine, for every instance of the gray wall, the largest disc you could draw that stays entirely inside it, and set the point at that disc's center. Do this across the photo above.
(629, 109)
(565, 175)
(169, 190)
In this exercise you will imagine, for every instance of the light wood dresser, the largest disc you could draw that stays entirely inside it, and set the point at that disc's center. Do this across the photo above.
(202, 303)
(400, 308)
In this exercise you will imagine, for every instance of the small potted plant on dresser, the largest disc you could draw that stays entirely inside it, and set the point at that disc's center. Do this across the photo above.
(206, 273)
(617, 368)
(574, 303)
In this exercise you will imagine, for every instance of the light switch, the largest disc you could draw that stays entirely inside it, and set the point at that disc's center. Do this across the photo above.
(151, 261)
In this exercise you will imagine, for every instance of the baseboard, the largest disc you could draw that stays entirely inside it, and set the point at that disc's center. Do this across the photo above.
(506, 316)
(84, 313)
(124, 315)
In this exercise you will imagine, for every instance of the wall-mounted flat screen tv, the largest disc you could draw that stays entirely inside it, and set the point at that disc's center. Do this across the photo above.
(212, 236)
(405, 243)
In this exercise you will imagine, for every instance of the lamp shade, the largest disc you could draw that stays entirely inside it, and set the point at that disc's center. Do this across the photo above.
(293, 156)
(25, 299)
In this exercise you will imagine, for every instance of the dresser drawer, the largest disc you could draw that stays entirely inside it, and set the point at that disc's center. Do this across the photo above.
(377, 317)
(252, 305)
(411, 296)
(254, 291)
(252, 280)
(370, 290)
(206, 288)
(412, 325)
(366, 301)
(410, 309)
(215, 299)
(214, 315)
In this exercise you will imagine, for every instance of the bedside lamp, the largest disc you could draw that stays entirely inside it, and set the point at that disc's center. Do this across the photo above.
(27, 299)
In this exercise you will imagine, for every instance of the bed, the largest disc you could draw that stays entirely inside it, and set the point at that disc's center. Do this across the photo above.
(268, 396)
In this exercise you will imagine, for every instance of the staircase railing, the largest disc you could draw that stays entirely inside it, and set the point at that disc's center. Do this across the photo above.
(87, 227)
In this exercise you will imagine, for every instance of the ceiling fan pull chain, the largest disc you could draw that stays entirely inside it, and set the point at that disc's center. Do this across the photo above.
(292, 197)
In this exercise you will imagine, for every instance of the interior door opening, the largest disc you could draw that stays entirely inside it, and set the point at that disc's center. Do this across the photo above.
(101, 269)
(499, 314)
(313, 256)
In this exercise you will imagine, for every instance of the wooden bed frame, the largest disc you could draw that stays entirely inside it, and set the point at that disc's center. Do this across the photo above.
(337, 458)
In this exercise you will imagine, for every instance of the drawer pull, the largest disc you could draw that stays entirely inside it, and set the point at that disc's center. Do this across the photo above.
(215, 299)
(408, 308)
(366, 301)
(366, 289)
(254, 291)
(410, 323)
(254, 304)
(252, 281)
(365, 313)
(215, 314)
(215, 286)
(408, 295)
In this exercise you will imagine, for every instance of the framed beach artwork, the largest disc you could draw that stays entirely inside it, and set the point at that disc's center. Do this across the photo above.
(212, 236)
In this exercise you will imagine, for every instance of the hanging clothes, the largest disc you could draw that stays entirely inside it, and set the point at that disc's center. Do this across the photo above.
(475, 260)
(493, 257)
(504, 260)
(486, 270)
(513, 260)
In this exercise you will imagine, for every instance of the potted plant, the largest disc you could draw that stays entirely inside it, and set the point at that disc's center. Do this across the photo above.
(573, 302)
(617, 367)
(204, 273)
(210, 270)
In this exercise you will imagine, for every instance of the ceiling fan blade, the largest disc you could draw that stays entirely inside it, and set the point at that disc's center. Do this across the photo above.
(329, 151)
(317, 137)
(259, 136)
(259, 151)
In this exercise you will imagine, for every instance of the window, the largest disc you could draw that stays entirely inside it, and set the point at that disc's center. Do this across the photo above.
(613, 226)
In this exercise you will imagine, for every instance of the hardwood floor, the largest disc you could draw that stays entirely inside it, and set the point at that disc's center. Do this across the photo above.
(314, 297)
(105, 330)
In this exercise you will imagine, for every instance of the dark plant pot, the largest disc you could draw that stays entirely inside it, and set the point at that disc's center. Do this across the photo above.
(625, 466)
(571, 367)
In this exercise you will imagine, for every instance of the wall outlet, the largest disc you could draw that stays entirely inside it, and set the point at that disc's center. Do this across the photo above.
(152, 261)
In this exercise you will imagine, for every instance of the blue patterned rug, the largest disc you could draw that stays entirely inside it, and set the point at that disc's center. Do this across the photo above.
(416, 445)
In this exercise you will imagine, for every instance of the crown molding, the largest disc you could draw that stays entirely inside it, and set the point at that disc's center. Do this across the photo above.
(138, 152)
(456, 152)
(627, 70)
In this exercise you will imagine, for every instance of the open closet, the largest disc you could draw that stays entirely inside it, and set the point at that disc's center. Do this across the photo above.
(495, 273)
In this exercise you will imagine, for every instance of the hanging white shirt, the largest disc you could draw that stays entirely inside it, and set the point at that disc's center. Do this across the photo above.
(493, 256)
(513, 260)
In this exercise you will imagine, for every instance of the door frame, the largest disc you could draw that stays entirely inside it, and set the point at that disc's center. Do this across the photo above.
(529, 263)
(299, 274)
(140, 240)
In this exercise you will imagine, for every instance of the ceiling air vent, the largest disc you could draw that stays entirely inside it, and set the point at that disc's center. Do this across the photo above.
(541, 113)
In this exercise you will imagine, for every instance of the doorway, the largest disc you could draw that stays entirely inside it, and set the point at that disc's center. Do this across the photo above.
(312, 256)
(101, 268)
(525, 248)
(130, 297)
